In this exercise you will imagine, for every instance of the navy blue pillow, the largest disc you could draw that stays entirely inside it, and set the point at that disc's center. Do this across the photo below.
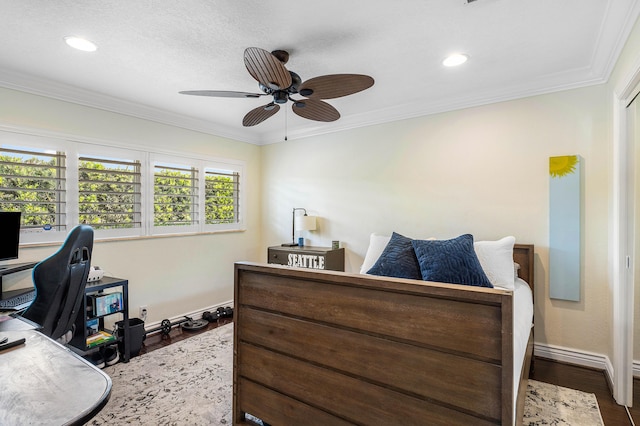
(450, 261)
(398, 259)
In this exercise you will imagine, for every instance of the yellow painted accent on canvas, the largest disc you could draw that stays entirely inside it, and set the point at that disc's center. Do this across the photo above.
(562, 166)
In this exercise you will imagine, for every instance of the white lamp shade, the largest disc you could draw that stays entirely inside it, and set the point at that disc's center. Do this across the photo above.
(305, 223)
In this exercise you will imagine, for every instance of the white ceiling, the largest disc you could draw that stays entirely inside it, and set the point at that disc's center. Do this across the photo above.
(149, 50)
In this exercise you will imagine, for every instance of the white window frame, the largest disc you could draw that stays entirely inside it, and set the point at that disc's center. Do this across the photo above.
(28, 142)
(226, 168)
(74, 148)
(164, 160)
(91, 150)
(201, 165)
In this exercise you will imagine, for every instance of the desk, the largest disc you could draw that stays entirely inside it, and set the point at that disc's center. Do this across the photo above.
(10, 323)
(45, 383)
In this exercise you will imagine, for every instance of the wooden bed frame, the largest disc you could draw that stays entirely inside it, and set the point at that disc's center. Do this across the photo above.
(333, 348)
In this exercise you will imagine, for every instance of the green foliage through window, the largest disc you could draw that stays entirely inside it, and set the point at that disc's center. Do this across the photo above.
(109, 193)
(175, 196)
(221, 197)
(33, 182)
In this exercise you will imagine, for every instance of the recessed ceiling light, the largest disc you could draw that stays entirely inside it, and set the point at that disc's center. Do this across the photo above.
(455, 60)
(80, 44)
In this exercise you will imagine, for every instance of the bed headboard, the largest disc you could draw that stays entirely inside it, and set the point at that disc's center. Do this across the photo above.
(523, 256)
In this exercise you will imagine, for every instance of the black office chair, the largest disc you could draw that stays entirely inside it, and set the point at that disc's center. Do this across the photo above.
(60, 281)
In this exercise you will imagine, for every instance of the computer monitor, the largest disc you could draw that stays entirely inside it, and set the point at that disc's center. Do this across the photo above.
(9, 235)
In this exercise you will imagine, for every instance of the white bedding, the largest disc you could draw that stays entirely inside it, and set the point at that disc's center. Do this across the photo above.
(522, 322)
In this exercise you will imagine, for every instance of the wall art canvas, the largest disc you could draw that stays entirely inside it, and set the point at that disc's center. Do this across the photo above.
(565, 225)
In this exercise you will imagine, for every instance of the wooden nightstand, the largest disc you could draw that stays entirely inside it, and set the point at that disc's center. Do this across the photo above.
(307, 257)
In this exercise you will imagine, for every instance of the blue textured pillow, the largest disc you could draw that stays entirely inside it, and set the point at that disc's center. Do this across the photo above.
(450, 261)
(398, 259)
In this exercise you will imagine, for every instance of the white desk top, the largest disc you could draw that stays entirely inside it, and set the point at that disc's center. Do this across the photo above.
(44, 383)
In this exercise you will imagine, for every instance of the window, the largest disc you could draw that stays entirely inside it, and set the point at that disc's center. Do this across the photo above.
(109, 195)
(175, 195)
(33, 182)
(221, 197)
(121, 192)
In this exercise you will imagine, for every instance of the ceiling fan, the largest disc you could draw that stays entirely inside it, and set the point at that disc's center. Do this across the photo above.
(276, 81)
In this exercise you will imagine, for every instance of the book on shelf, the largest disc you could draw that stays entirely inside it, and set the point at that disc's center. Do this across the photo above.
(99, 338)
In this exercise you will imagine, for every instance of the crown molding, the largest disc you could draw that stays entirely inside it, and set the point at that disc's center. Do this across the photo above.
(610, 41)
(553, 83)
(42, 87)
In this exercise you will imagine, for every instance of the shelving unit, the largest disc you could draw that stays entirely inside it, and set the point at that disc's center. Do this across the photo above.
(79, 341)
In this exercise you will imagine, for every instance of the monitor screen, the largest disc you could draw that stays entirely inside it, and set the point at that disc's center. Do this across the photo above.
(9, 235)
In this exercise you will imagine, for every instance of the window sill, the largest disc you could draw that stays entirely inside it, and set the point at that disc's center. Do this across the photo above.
(140, 237)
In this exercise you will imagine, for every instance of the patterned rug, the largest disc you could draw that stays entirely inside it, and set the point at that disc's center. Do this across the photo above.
(190, 383)
(548, 404)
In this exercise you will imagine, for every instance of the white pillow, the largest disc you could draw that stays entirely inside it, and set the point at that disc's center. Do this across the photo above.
(496, 259)
(377, 243)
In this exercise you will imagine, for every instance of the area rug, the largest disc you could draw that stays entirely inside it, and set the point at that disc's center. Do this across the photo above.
(548, 404)
(190, 383)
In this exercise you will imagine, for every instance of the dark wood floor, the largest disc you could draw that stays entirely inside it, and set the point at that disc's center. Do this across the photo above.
(571, 376)
(157, 340)
(586, 380)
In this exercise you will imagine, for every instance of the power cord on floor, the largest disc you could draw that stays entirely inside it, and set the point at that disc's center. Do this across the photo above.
(629, 415)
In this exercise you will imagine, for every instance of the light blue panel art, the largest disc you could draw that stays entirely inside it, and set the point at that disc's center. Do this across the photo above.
(565, 203)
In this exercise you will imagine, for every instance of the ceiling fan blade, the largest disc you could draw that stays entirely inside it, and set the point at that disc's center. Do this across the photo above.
(221, 93)
(335, 85)
(258, 115)
(314, 109)
(266, 68)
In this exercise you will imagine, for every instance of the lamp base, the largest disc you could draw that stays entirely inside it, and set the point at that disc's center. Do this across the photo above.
(289, 245)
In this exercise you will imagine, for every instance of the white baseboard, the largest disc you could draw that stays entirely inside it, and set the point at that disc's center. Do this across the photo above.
(572, 356)
(193, 315)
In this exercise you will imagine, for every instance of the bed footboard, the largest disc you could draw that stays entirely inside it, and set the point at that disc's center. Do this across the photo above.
(332, 348)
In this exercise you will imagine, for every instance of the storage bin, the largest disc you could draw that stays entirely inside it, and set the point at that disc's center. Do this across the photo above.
(137, 332)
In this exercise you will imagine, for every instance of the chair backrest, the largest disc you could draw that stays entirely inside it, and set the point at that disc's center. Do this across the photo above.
(60, 282)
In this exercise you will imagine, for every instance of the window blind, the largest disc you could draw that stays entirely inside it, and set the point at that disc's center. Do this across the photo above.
(109, 195)
(34, 182)
(221, 197)
(175, 195)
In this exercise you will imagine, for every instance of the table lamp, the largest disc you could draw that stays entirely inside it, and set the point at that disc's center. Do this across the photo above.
(300, 223)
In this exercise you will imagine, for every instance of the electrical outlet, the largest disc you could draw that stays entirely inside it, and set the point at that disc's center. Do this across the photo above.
(143, 312)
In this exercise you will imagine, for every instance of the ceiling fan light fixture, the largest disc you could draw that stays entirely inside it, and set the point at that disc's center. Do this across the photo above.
(296, 81)
(455, 59)
(280, 97)
(80, 43)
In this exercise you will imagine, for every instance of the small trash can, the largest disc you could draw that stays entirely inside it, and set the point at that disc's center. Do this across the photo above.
(137, 333)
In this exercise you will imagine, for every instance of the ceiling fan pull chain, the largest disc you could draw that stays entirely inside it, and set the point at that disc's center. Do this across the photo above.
(286, 114)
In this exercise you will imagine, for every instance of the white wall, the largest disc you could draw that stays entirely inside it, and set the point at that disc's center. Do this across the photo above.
(171, 275)
(482, 170)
